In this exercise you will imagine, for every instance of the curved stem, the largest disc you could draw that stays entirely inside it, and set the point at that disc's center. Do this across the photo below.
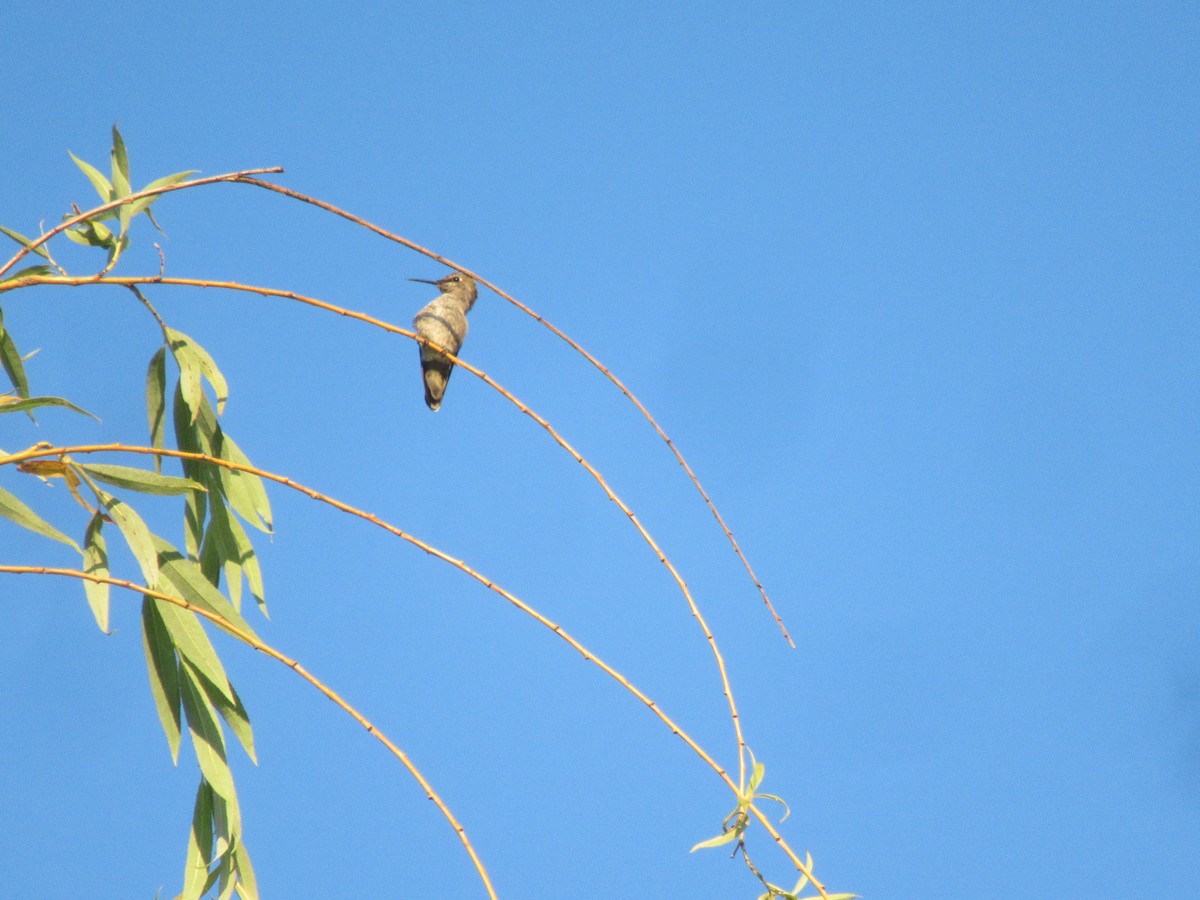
(382, 232)
(295, 666)
(243, 175)
(726, 686)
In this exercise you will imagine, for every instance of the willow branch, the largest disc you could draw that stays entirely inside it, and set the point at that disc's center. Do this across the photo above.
(382, 232)
(243, 175)
(295, 666)
(41, 452)
(726, 687)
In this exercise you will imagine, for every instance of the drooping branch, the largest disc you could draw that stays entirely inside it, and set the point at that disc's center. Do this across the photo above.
(604, 370)
(296, 667)
(31, 280)
(41, 452)
(243, 175)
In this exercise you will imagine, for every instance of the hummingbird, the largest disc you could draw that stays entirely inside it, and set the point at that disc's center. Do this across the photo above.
(444, 321)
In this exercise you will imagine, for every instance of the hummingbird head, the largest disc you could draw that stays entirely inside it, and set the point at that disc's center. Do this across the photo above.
(457, 285)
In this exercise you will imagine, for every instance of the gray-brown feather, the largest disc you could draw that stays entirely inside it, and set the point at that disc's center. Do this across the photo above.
(443, 321)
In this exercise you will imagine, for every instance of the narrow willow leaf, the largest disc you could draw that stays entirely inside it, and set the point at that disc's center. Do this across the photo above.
(720, 839)
(238, 721)
(192, 643)
(245, 491)
(143, 205)
(28, 270)
(227, 823)
(18, 404)
(156, 400)
(248, 561)
(99, 182)
(120, 178)
(24, 241)
(95, 562)
(194, 511)
(233, 713)
(212, 557)
(198, 358)
(142, 480)
(115, 249)
(164, 671)
(756, 775)
(136, 535)
(190, 387)
(190, 584)
(205, 729)
(81, 235)
(10, 358)
(15, 511)
(120, 166)
(200, 841)
(226, 546)
(103, 235)
(247, 880)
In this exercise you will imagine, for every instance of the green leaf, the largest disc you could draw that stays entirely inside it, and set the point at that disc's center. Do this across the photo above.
(190, 584)
(164, 671)
(720, 839)
(136, 535)
(27, 271)
(756, 775)
(120, 178)
(143, 205)
(25, 403)
(156, 400)
(82, 235)
(786, 809)
(10, 358)
(227, 546)
(115, 249)
(233, 713)
(244, 490)
(205, 728)
(247, 881)
(95, 562)
(191, 437)
(194, 361)
(15, 511)
(99, 182)
(200, 843)
(249, 564)
(142, 480)
(24, 241)
(92, 234)
(193, 645)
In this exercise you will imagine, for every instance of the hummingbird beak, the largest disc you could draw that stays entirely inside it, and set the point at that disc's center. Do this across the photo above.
(423, 280)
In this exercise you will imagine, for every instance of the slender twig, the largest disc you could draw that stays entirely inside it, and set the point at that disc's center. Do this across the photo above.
(295, 666)
(131, 198)
(726, 686)
(403, 241)
(43, 451)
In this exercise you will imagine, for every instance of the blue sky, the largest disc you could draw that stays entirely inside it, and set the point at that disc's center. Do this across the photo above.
(915, 291)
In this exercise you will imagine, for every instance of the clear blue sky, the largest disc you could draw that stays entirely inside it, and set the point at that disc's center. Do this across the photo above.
(916, 291)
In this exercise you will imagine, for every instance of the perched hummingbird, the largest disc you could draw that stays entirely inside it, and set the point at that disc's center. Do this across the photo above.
(444, 321)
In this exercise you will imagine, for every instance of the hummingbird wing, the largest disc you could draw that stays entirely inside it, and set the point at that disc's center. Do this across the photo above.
(446, 325)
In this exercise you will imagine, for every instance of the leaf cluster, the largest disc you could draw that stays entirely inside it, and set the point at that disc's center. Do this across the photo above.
(189, 684)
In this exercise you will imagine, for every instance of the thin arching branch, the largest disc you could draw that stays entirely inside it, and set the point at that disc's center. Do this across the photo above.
(403, 241)
(41, 452)
(295, 666)
(726, 686)
(132, 198)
